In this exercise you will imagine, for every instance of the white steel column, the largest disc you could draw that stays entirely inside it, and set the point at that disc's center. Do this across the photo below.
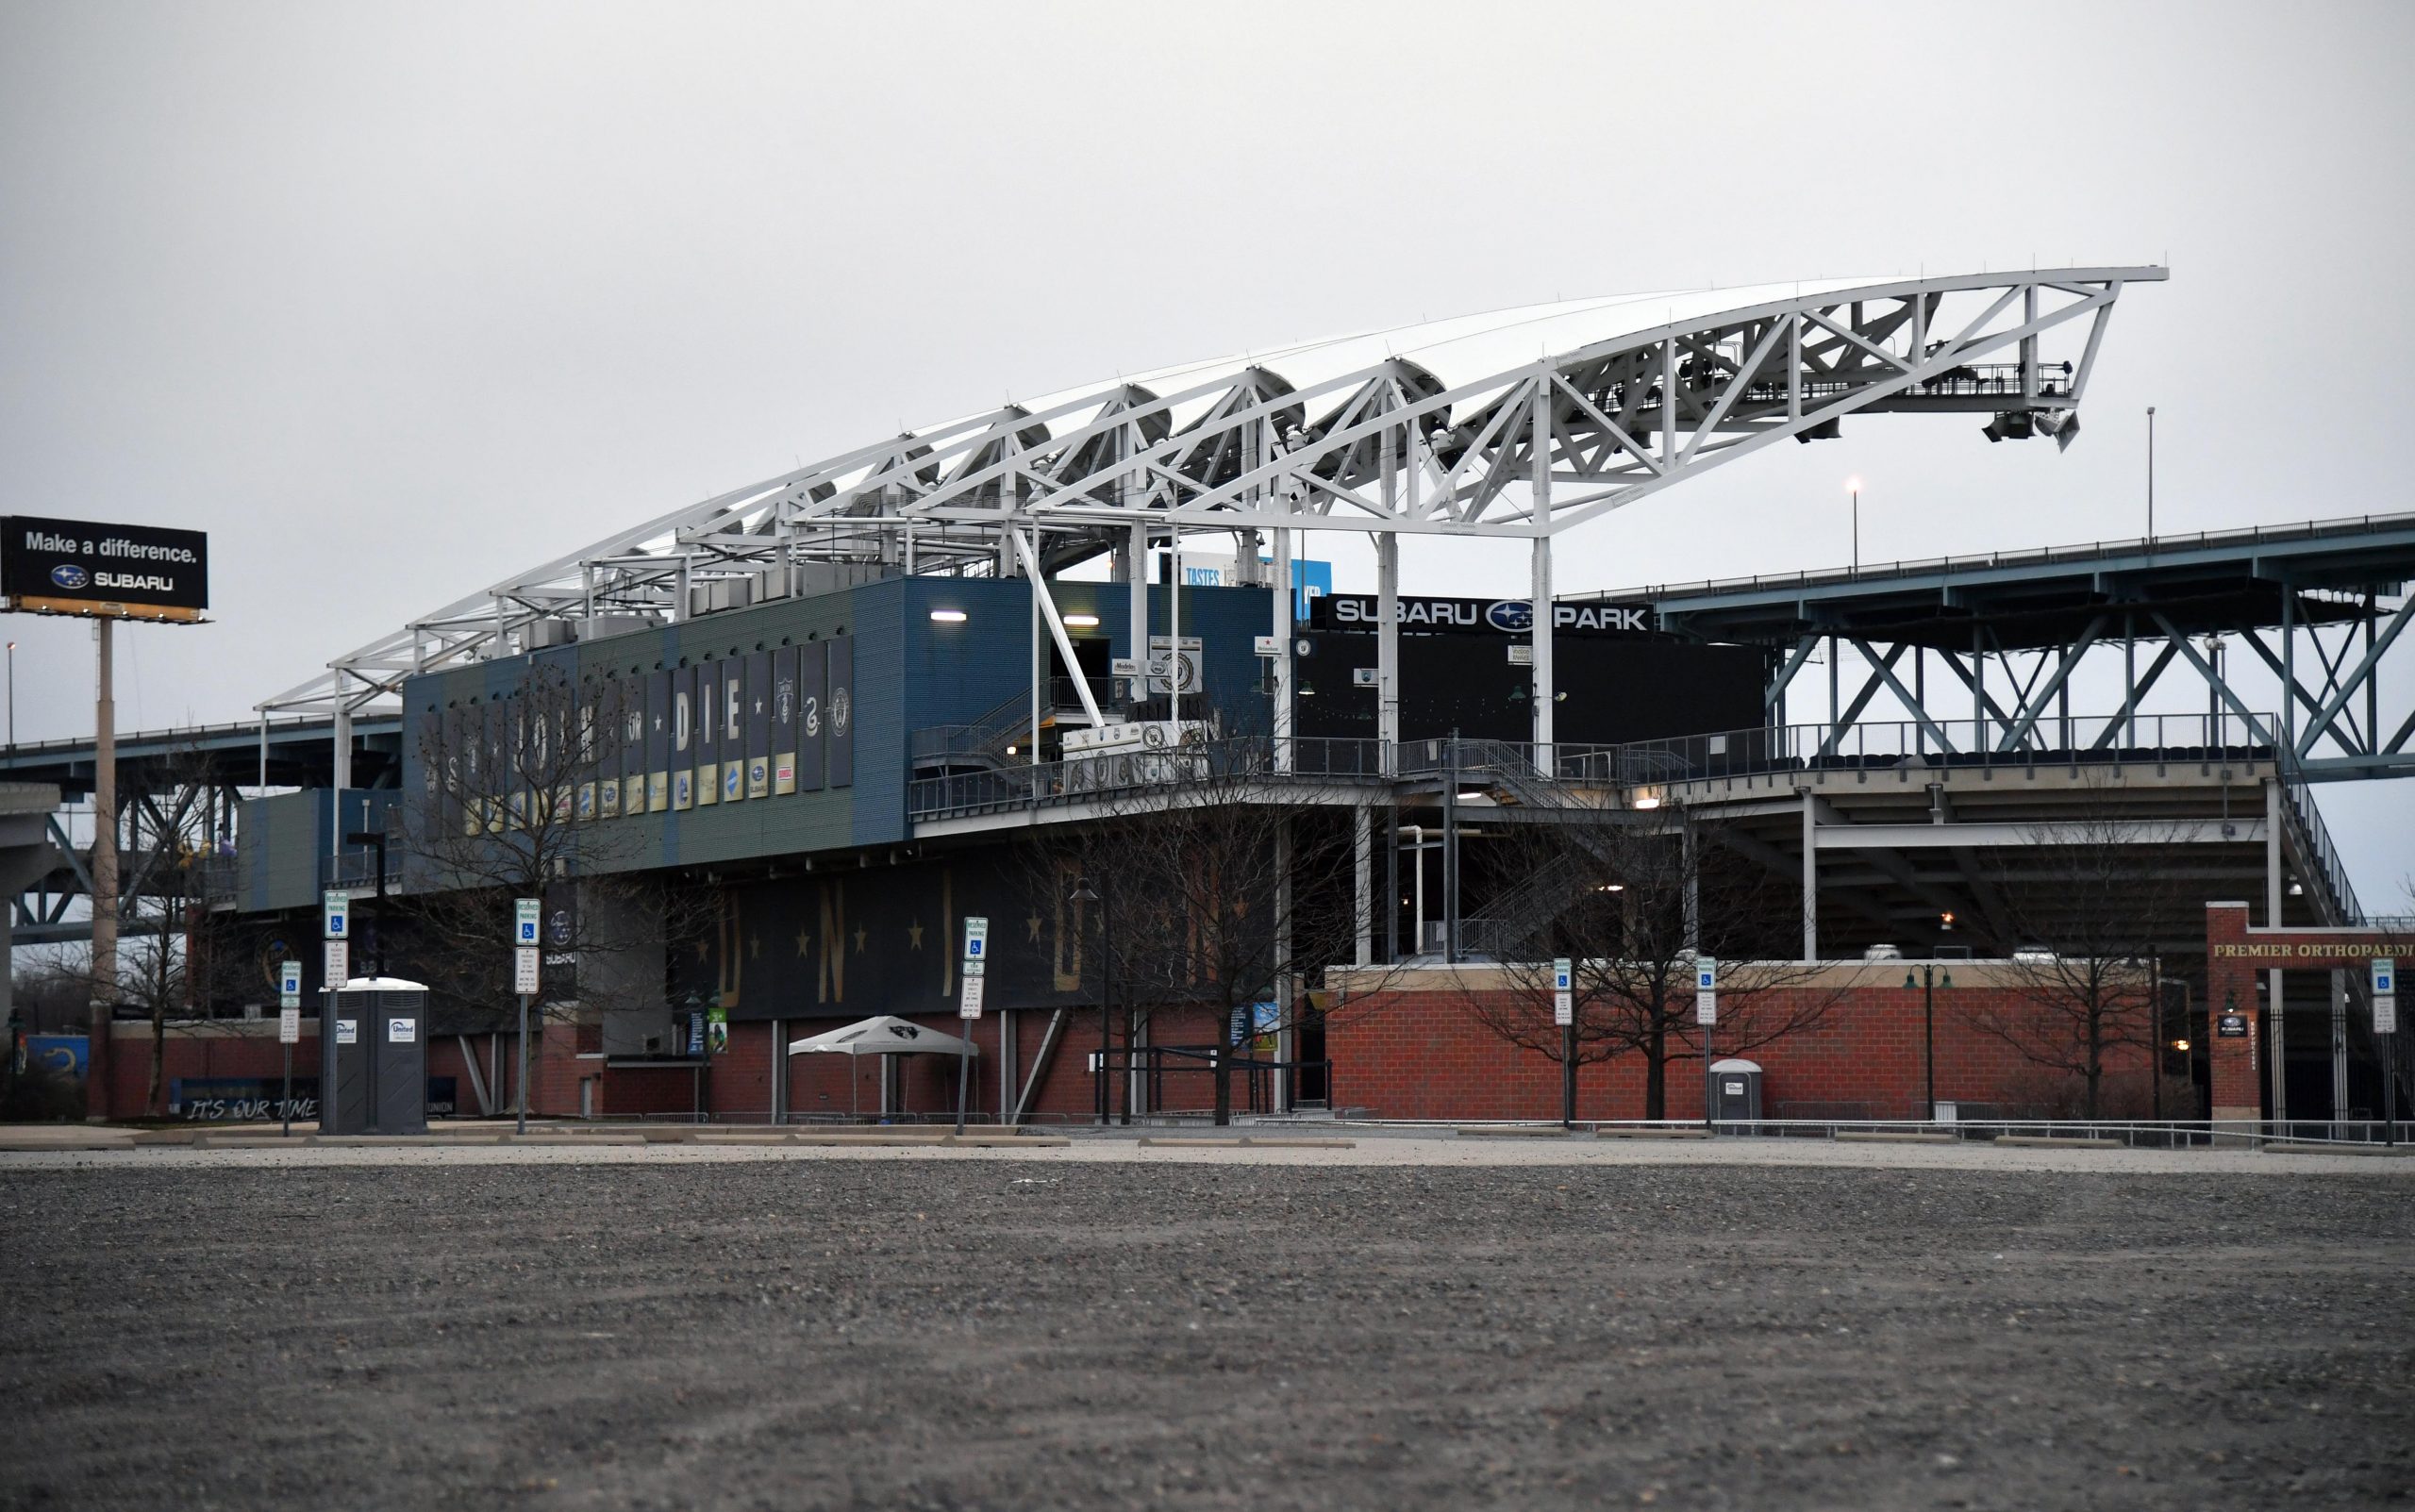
(1279, 625)
(1138, 622)
(1542, 689)
(1174, 629)
(1388, 646)
(1542, 638)
(1810, 876)
(342, 763)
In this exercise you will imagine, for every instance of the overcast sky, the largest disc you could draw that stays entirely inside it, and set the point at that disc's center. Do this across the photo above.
(393, 300)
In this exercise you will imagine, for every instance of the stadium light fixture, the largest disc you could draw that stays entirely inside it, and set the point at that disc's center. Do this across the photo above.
(1650, 800)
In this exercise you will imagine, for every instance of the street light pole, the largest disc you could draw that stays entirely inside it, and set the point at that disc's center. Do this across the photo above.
(1928, 981)
(1853, 486)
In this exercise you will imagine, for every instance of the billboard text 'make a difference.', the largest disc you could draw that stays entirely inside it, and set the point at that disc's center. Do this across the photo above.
(126, 572)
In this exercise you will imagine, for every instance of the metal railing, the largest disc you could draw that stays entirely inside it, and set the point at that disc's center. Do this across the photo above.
(2071, 740)
(2345, 525)
(986, 737)
(1304, 760)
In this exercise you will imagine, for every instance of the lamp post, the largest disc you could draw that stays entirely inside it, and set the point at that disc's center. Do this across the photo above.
(1081, 897)
(376, 838)
(1928, 980)
(1853, 486)
(12, 693)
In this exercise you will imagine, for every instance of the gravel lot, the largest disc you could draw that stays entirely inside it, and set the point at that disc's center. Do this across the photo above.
(936, 1333)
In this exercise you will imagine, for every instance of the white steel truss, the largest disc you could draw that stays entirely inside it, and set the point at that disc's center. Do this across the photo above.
(1518, 424)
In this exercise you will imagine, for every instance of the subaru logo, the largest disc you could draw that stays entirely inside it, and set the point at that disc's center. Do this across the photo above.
(68, 575)
(1511, 614)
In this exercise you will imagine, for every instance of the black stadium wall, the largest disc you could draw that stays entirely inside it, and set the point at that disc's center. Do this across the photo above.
(1617, 682)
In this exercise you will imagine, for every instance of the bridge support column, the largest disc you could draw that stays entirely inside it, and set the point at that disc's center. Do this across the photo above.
(2339, 1046)
(342, 743)
(1810, 876)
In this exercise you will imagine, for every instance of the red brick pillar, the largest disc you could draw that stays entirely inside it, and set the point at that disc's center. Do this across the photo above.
(2231, 1016)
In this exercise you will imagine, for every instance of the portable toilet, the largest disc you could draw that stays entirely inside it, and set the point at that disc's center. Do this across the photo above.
(373, 1058)
(1736, 1095)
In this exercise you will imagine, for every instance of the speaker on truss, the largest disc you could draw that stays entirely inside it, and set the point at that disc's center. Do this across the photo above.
(1827, 430)
(2062, 425)
(2009, 425)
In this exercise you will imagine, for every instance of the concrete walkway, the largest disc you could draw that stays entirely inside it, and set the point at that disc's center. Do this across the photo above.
(69, 1149)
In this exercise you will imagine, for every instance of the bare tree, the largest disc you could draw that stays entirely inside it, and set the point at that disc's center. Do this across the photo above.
(1633, 899)
(507, 808)
(2084, 966)
(1216, 884)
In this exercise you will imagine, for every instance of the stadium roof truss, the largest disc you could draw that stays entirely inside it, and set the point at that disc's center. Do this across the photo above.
(1516, 424)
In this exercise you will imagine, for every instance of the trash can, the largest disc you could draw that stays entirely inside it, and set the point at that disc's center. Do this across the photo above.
(1736, 1095)
(373, 1058)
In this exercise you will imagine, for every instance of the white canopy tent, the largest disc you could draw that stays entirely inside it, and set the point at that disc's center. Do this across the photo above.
(881, 1034)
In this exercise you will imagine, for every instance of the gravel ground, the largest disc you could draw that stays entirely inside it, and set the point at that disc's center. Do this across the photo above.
(950, 1333)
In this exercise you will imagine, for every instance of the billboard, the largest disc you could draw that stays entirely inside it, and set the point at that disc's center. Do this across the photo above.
(118, 571)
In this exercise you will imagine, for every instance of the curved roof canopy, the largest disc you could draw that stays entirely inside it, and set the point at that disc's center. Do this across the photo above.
(1519, 422)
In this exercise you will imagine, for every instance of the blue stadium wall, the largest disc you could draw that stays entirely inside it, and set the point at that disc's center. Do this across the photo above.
(910, 673)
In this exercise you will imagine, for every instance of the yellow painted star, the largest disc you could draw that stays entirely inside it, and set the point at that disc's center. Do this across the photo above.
(754, 947)
(805, 942)
(860, 939)
(1031, 925)
(914, 935)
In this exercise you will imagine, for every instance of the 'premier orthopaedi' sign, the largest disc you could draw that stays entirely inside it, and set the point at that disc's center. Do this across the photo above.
(122, 572)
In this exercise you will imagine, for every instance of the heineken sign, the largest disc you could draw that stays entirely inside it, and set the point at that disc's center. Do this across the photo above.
(120, 571)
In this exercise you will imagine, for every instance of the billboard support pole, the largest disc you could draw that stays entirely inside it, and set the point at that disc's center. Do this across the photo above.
(104, 918)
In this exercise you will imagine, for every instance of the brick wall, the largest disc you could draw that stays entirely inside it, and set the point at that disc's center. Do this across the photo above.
(1420, 1052)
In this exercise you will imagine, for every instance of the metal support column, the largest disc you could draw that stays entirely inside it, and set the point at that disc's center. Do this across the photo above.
(1137, 623)
(100, 1053)
(1388, 650)
(1544, 687)
(2276, 1010)
(2338, 1045)
(1540, 485)
(1279, 626)
(1810, 876)
(342, 764)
